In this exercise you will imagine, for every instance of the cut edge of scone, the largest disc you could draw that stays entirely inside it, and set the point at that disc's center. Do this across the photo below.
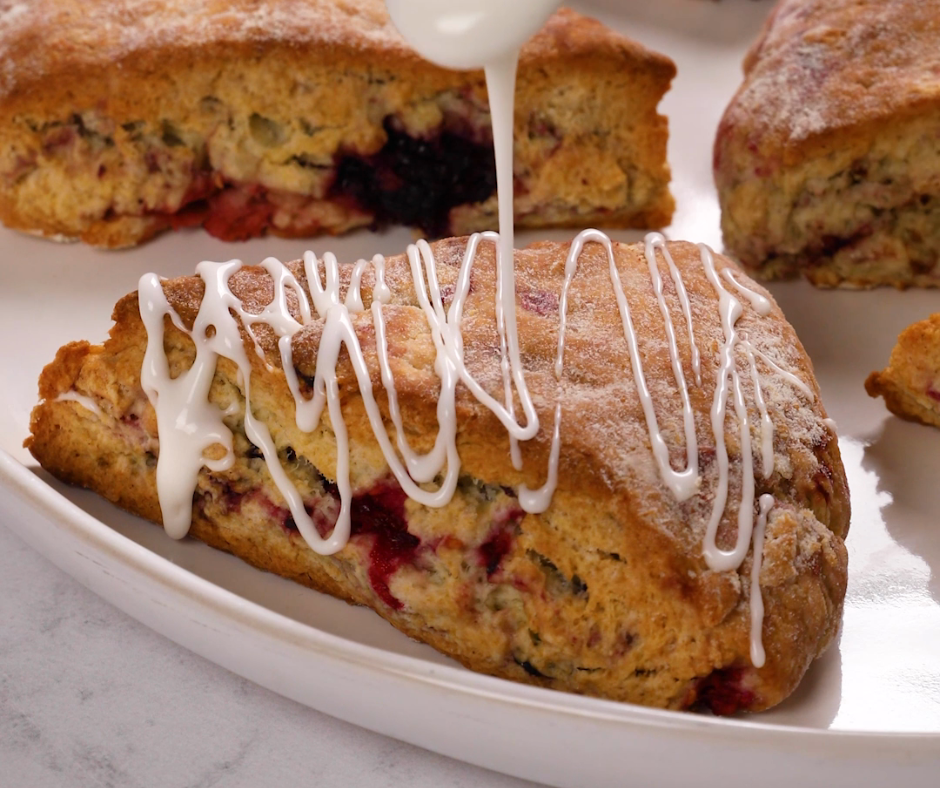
(302, 127)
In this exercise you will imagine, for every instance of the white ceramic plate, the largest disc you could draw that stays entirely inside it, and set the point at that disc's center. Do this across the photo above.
(867, 713)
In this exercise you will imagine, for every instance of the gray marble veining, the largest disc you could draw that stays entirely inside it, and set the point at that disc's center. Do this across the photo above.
(90, 697)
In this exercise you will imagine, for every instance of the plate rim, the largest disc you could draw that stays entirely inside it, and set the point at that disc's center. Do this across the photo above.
(67, 516)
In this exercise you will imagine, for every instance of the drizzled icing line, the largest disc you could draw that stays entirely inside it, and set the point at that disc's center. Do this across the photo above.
(189, 425)
(86, 402)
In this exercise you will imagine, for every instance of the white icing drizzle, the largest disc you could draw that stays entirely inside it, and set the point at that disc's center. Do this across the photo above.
(187, 422)
(656, 242)
(766, 425)
(188, 425)
(86, 402)
(748, 530)
(487, 34)
(729, 309)
(683, 484)
(761, 304)
(758, 657)
(501, 87)
(792, 379)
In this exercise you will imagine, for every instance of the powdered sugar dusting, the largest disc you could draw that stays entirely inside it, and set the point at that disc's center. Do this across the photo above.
(827, 64)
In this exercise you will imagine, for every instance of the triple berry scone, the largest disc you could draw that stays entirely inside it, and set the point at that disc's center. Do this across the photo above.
(120, 119)
(910, 384)
(636, 551)
(826, 159)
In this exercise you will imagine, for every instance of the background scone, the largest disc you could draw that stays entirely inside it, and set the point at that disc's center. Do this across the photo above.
(120, 119)
(910, 384)
(826, 160)
(607, 592)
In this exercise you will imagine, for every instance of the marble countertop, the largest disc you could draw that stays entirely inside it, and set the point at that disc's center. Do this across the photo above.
(90, 697)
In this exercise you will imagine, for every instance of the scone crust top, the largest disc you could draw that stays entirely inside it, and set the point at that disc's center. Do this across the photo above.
(70, 40)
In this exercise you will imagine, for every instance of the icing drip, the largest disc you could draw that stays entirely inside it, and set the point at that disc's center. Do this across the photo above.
(188, 424)
(501, 86)
(654, 242)
(729, 309)
(86, 402)
(487, 34)
(766, 425)
(683, 484)
(760, 303)
(758, 657)
(748, 530)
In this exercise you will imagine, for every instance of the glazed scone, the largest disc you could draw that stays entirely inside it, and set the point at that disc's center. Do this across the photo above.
(910, 384)
(120, 119)
(607, 591)
(826, 159)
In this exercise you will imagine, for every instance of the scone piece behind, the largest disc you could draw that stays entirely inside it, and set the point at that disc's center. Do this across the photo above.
(910, 384)
(826, 160)
(605, 593)
(120, 119)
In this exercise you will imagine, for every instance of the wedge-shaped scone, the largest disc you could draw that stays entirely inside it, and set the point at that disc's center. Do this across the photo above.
(607, 591)
(910, 384)
(826, 159)
(119, 119)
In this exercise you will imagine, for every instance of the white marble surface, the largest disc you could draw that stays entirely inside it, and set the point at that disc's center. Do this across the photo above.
(89, 697)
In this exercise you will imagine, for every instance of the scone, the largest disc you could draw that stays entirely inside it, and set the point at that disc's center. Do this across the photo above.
(120, 119)
(910, 384)
(616, 560)
(826, 160)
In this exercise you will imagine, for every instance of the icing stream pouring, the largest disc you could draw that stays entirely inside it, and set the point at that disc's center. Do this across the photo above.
(487, 34)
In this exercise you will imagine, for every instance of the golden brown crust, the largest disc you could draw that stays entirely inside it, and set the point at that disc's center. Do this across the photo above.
(825, 158)
(270, 94)
(910, 384)
(607, 592)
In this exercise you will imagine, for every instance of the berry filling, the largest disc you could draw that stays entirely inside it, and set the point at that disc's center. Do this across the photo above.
(380, 512)
(417, 181)
(378, 515)
(539, 301)
(723, 692)
(497, 545)
(411, 180)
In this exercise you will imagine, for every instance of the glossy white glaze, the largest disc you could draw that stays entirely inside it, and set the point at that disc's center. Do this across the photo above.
(758, 655)
(86, 402)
